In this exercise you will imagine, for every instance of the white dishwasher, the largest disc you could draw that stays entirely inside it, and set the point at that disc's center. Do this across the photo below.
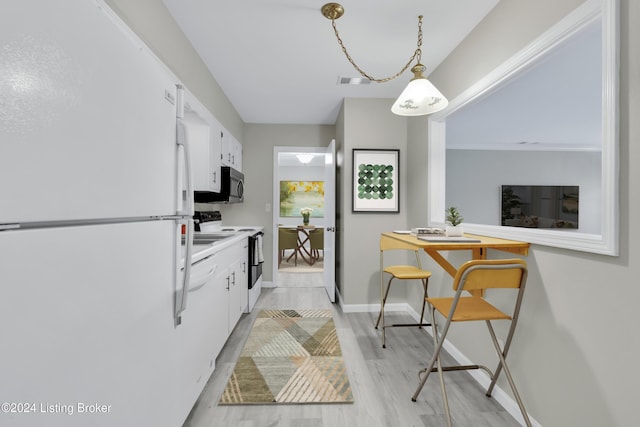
(197, 348)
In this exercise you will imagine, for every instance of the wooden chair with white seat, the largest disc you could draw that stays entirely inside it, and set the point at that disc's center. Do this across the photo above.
(400, 272)
(476, 277)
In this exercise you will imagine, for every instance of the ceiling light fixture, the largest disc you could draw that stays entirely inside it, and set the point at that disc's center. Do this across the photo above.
(420, 97)
(305, 157)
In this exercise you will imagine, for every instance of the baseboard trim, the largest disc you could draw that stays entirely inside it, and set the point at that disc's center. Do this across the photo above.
(499, 395)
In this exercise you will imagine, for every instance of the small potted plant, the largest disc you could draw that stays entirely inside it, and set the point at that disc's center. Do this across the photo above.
(306, 213)
(454, 219)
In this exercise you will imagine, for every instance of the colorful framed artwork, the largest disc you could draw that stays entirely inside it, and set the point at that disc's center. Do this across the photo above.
(376, 180)
(296, 195)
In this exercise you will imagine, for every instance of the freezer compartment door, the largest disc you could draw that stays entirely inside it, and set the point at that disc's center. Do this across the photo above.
(88, 317)
(89, 127)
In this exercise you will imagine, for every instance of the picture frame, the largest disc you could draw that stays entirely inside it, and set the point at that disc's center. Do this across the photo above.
(376, 180)
(295, 195)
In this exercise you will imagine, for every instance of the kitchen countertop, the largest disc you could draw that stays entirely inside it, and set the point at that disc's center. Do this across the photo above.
(201, 251)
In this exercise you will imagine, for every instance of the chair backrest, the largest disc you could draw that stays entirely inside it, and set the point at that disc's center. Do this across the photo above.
(316, 238)
(393, 244)
(287, 238)
(485, 274)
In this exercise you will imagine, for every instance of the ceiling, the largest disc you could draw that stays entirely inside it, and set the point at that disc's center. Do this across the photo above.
(290, 158)
(278, 61)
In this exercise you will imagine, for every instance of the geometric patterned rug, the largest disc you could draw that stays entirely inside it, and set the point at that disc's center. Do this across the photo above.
(291, 356)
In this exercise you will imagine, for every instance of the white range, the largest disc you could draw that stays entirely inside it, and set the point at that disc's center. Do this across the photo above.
(210, 223)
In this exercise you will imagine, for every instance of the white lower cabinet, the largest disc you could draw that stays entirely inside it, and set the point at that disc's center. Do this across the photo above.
(219, 306)
(230, 283)
(216, 300)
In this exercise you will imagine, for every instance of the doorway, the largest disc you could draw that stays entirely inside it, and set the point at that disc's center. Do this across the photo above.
(304, 182)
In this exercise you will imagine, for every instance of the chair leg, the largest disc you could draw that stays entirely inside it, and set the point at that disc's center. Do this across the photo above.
(384, 300)
(435, 359)
(294, 255)
(505, 350)
(381, 314)
(507, 372)
(425, 283)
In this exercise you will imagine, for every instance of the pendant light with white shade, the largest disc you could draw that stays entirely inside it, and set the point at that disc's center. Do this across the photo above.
(420, 97)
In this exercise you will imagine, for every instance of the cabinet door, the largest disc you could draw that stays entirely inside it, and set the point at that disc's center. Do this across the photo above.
(204, 145)
(231, 150)
(243, 278)
(215, 148)
(225, 143)
(235, 294)
(236, 155)
(198, 135)
(220, 308)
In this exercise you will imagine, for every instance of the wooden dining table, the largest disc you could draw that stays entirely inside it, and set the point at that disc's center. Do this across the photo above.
(303, 238)
(478, 246)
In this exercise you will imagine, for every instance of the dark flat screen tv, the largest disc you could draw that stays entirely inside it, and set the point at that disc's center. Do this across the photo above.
(540, 206)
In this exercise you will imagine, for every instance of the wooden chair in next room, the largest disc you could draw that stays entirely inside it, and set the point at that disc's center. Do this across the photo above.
(287, 239)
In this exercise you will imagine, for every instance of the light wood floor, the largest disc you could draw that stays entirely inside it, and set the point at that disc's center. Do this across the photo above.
(383, 380)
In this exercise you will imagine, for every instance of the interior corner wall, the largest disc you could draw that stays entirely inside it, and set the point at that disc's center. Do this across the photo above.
(417, 189)
(339, 203)
(368, 123)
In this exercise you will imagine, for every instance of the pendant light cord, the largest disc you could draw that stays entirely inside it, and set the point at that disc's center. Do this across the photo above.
(417, 54)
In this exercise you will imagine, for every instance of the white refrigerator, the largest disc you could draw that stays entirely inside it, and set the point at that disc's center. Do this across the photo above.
(92, 203)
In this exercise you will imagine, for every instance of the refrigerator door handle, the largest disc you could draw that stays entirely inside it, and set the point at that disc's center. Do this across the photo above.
(182, 141)
(181, 295)
(187, 207)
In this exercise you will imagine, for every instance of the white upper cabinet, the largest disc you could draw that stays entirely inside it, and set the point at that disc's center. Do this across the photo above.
(231, 150)
(203, 132)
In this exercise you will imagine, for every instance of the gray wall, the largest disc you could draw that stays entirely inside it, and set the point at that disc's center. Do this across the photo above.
(257, 165)
(577, 338)
(479, 199)
(368, 123)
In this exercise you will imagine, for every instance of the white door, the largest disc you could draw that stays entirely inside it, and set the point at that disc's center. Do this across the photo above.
(330, 220)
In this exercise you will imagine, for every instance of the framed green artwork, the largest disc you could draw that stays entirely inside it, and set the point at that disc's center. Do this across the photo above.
(298, 195)
(376, 183)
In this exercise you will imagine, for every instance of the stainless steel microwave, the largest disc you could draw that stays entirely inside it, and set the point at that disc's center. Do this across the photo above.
(231, 188)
